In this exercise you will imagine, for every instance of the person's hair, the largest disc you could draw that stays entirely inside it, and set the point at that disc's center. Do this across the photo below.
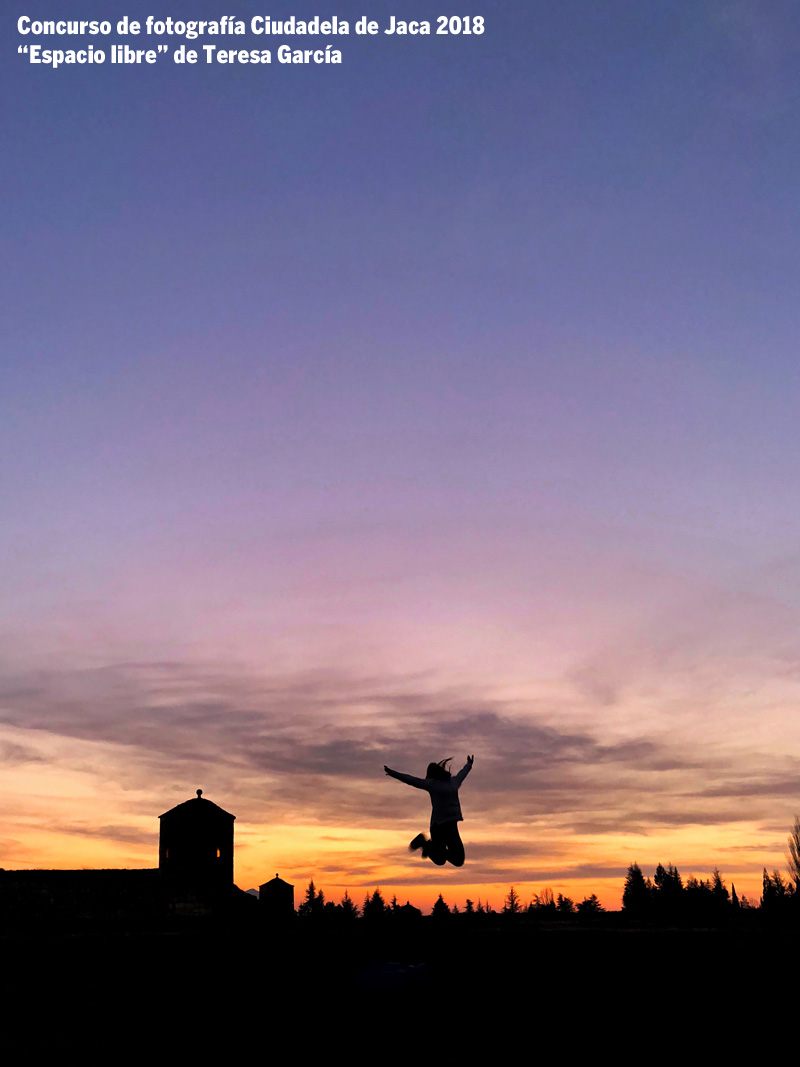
(439, 770)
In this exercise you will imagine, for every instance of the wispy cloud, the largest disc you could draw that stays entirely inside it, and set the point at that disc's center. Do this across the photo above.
(130, 834)
(312, 746)
(11, 753)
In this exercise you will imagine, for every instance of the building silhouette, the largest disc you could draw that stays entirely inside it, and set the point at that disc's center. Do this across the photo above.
(194, 878)
(276, 899)
(195, 849)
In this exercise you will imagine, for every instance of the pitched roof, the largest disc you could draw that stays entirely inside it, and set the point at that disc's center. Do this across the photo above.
(276, 881)
(197, 808)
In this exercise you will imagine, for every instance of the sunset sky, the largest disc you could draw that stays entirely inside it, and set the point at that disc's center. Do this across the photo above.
(441, 401)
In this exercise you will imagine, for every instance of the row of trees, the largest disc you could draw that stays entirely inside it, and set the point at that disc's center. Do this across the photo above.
(779, 896)
(666, 897)
(545, 904)
(315, 906)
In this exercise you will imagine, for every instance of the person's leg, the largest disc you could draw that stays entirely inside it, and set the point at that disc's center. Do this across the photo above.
(455, 846)
(437, 846)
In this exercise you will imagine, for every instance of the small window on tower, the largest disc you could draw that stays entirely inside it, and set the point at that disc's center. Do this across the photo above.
(218, 853)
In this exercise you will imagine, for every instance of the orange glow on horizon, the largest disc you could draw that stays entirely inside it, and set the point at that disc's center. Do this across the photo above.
(85, 804)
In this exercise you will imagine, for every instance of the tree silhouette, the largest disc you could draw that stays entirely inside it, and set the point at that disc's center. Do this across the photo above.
(374, 906)
(512, 905)
(309, 906)
(660, 877)
(543, 901)
(668, 892)
(700, 904)
(318, 905)
(719, 892)
(590, 906)
(565, 905)
(794, 853)
(636, 893)
(667, 880)
(440, 909)
(777, 894)
(349, 909)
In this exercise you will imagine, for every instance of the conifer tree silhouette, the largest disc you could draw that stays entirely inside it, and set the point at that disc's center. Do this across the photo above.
(309, 905)
(590, 906)
(719, 892)
(349, 909)
(512, 905)
(565, 905)
(776, 893)
(668, 892)
(636, 893)
(440, 910)
(374, 906)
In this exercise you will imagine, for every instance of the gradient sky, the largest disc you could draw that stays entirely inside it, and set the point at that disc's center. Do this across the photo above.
(443, 401)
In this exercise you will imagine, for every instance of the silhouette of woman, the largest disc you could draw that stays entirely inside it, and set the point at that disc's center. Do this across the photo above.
(445, 844)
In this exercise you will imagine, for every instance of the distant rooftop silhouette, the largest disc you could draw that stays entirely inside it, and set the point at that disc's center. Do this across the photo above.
(276, 898)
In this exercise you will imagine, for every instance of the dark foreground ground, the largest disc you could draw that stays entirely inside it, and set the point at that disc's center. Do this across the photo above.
(385, 994)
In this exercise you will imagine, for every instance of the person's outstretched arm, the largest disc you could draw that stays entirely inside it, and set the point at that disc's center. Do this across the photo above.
(418, 783)
(462, 774)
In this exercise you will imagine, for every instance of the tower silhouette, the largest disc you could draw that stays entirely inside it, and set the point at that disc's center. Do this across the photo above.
(195, 848)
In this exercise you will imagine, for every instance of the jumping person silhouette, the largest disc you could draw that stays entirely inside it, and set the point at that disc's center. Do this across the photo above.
(445, 844)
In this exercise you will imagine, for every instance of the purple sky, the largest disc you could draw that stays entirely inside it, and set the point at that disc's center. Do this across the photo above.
(443, 399)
